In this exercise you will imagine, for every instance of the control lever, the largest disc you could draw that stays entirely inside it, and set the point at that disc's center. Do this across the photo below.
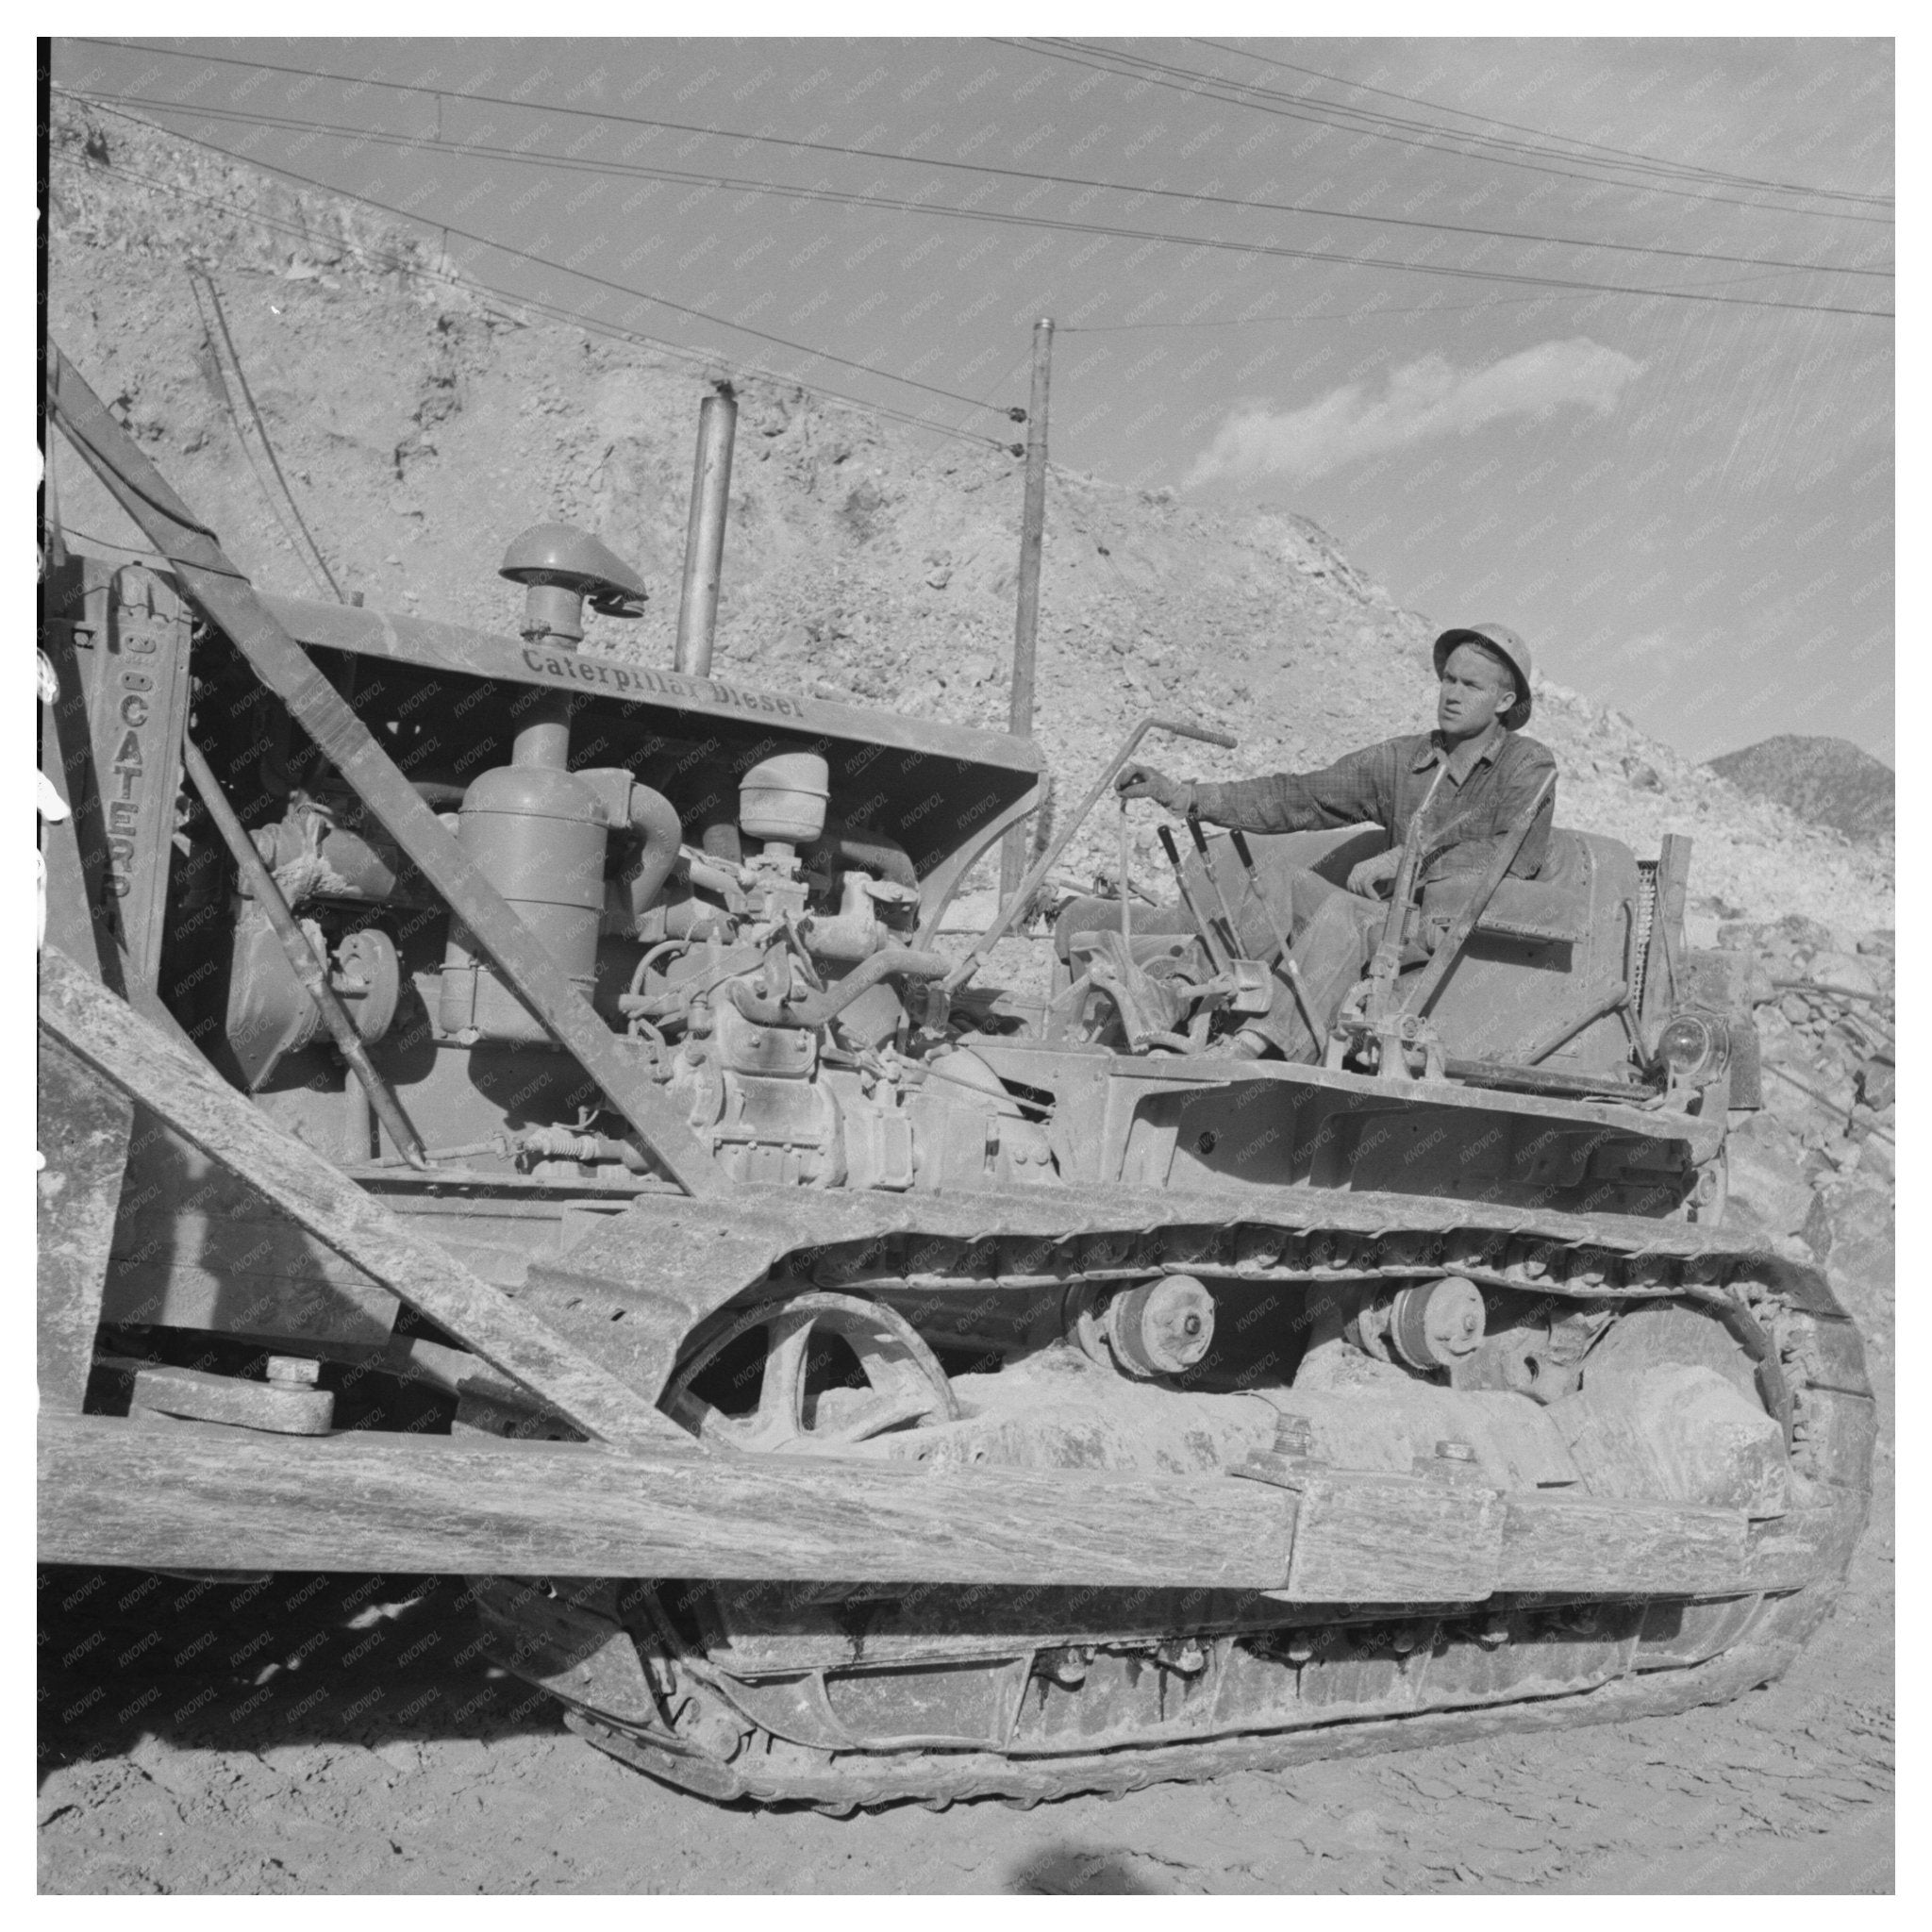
(1386, 961)
(1227, 924)
(1240, 842)
(1204, 926)
(1154, 721)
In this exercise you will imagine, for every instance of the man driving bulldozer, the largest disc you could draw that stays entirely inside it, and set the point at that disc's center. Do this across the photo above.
(1463, 789)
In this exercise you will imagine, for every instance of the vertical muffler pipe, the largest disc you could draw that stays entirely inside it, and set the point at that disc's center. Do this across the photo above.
(704, 538)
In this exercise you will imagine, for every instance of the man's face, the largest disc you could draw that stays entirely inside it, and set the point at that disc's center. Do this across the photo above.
(1475, 689)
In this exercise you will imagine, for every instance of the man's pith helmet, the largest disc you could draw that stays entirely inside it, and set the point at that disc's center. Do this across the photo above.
(1502, 642)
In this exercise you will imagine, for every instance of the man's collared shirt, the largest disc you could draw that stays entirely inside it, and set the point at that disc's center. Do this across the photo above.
(1487, 784)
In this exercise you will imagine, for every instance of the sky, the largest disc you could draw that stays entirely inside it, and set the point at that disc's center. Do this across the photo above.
(1338, 276)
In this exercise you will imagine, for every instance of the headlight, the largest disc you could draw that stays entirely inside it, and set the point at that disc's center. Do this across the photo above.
(1696, 1047)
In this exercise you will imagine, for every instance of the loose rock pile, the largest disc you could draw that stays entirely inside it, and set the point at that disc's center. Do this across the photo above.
(1818, 1163)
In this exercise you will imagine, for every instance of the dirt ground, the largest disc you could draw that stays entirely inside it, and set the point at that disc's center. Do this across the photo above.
(342, 1734)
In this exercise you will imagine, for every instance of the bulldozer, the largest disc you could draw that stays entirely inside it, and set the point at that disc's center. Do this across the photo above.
(504, 1112)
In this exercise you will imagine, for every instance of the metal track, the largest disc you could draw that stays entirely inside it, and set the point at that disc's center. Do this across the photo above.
(1782, 1312)
(849, 1784)
(1810, 1372)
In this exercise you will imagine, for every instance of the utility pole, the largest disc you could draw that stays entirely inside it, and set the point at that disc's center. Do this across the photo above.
(1026, 619)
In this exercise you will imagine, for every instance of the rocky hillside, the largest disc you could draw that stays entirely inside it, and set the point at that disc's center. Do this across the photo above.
(421, 424)
(1830, 781)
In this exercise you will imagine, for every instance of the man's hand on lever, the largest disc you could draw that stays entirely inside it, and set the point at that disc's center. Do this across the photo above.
(1145, 781)
(1366, 878)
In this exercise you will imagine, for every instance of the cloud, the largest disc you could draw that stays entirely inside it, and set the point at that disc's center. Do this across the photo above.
(1421, 400)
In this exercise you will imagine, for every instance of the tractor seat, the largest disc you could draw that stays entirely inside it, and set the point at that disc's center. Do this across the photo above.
(1552, 905)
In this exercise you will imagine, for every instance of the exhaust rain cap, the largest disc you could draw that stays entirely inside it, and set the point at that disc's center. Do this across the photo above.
(559, 566)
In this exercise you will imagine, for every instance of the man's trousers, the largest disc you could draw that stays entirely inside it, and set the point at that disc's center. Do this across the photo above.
(1332, 934)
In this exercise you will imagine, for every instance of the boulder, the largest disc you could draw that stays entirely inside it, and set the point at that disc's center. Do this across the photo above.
(1795, 930)
(1769, 1192)
(1879, 1159)
(1845, 970)
(1851, 1230)
(1878, 1082)
(1796, 1106)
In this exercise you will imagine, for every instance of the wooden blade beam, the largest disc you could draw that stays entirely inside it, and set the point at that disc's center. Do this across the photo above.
(116, 1492)
(166, 1495)
(227, 599)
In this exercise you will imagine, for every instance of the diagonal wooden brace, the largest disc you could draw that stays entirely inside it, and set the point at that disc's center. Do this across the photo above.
(186, 1092)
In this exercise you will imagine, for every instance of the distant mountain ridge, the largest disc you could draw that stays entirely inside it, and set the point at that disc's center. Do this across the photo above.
(1830, 781)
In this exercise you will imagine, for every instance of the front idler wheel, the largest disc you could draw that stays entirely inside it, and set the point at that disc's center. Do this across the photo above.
(830, 1371)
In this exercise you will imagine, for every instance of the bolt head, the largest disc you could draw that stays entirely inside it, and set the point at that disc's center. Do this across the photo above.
(294, 1370)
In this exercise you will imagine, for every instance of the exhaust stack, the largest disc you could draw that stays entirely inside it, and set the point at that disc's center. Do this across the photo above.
(704, 541)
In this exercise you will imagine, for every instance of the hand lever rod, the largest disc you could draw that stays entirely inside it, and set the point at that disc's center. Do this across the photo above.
(1299, 986)
(1234, 948)
(1209, 938)
(1386, 961)
(1154, 721)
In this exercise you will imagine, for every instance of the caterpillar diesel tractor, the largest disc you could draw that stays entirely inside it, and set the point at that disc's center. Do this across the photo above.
(504, 1112)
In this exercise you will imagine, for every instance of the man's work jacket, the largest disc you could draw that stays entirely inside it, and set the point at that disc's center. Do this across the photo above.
(1487, 785)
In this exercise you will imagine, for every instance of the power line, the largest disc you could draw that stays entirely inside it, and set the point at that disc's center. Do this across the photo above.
(1614, 155)
(563, 268)
(1369, 121)
(1358, 315)
(1198, 86)
(575, 317)
(753, 185)
(1030, 176)
(1575, 148)
(614, 331)
(829, 147)
(1155, 235)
